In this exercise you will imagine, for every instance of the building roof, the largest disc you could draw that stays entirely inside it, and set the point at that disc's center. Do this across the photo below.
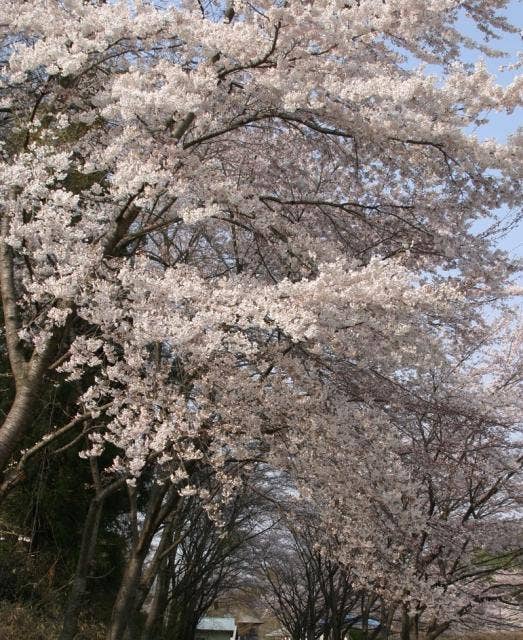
(216, 624)
(248, 619)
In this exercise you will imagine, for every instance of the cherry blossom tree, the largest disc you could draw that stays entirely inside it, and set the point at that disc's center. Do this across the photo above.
(240, 227)
(433, 508)
(308, 592)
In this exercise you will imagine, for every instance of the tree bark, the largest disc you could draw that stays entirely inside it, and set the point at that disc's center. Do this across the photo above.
(18, 419)
(123, 606)
(166, 546)
(153, 624)
(14, 425)
(124, 609)
(27, 374)
(87, 547)
(85, 560)
(12, 320)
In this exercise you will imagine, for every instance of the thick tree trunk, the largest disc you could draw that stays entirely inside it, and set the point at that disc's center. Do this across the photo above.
(16, 421)
(26, 373)
(19, 415)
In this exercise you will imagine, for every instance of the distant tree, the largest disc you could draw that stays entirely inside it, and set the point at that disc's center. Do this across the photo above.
(309, 593)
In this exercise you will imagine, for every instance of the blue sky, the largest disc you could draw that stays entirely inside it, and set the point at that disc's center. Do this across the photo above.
(501, 126)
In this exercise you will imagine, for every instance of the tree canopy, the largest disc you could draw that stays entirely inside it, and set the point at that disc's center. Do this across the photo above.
(242, 236)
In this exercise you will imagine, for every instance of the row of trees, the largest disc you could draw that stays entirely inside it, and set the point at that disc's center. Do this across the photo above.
(239, 265)
(313, 597)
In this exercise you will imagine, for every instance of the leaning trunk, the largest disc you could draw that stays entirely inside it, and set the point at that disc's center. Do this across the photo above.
(17, 421)
(27, 374)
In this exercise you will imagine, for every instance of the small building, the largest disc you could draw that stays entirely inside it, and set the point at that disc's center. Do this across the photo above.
(214, 628)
